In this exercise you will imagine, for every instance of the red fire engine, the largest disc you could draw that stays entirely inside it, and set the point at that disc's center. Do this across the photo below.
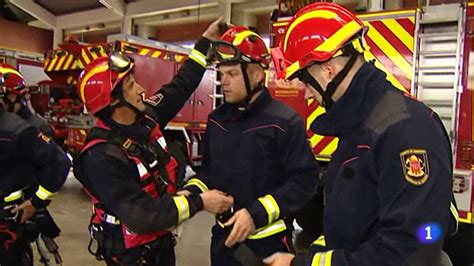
(429, 53)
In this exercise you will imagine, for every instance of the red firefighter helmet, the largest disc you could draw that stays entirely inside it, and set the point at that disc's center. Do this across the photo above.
(240, 44)
(99, 79)
(317, 33)
(11, 80)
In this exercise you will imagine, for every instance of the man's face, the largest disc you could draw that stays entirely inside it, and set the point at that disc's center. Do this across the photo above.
(322, 77)
(133, 92)
(6, 105)
(232, 83)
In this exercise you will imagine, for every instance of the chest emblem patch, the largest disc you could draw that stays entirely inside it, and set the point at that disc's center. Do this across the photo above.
(415, 166)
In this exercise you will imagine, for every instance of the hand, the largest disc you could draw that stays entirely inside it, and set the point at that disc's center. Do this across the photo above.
(216, 201)
(279, 259)
(212, 32)
(28, 210)
(183, 192)
(243, 226)
(294, 84)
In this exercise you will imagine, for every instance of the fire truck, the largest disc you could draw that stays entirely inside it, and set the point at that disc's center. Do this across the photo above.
(428, 52)
(156, 63)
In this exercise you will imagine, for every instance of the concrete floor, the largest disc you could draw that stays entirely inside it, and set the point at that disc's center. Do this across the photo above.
(71, 209)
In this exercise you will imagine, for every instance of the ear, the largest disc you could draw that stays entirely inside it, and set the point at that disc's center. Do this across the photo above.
(256, 74)
(329, 69)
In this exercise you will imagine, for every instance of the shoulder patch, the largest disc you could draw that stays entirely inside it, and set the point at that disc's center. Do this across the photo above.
(44, 138)
(415, 166)
(154, 99)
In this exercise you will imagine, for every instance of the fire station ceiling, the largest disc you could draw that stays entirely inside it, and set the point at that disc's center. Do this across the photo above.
(139, 17)
(61, 7)
(13, 13)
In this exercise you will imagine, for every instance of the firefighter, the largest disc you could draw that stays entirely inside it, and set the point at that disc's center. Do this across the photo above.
(255, 149)
(125, 165)
(16, 101)
(41, 227)
(388, 185)
(30, 161)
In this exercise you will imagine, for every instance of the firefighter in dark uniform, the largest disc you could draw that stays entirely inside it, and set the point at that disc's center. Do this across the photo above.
(41, 227)
(125, 165)
(388, 186)
(255, 149)
(29, 160)
(15, 101)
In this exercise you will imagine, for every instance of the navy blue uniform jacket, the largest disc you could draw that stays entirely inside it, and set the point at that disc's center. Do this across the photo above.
(390, 176)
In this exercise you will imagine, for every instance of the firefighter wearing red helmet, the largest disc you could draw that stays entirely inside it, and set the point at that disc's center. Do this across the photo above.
(33, 169)
(255, 149)
(389, 184)
(15, 98)
(125, 166)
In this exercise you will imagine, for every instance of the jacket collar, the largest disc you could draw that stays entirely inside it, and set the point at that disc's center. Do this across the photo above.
(349, 112)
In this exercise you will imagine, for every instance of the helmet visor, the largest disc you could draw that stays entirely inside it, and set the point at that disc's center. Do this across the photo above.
(223, 52)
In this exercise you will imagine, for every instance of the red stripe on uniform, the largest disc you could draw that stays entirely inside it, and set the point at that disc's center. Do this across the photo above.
(393, 40)
(388, 64)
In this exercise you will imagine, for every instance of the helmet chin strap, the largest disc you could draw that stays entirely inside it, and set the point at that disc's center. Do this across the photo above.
(332, 85)
(11, 104)
(124, 103)
(245, 103)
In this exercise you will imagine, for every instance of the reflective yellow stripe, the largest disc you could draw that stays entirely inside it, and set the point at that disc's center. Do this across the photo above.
(455, 214)
(339, 37)
(198, 183)
(468, 219)
(155, 54)
(315, 139)
(68, 62)
(330, 148)
(198, 57)
(271, 206)
(10, 70)
(317, 112)
(322, 259)
(43, 193)
(316, 259)
(144, 52)
(60, 63)
(241, 37)
(328, 261)
(404, 36)
(86, 58)
(390, 51)
(86, 78)
(14, 196)
(51, 63)
(321, 241)
(292, 69)
(269, 230)
(313, 14)
(182, 205)
(102, 52)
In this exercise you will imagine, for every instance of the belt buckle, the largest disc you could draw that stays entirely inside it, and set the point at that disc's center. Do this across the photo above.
(225, 216)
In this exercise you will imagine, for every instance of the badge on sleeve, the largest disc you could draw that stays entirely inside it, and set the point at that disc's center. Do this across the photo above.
(154, 100)
(44, 138)
(415, 166)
